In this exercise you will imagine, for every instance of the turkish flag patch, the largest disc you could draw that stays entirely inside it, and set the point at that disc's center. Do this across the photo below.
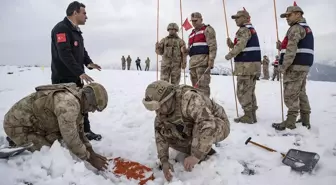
(61, 37)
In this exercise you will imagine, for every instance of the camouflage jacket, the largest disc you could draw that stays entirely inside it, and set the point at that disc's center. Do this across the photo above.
(129, 60)
(243, 35)
(54, 114)
(265, 62)
(170, 49)
(203, 60)
(295, 34)
(191, 124)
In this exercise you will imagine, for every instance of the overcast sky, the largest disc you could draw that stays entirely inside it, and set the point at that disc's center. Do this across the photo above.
(115, 28)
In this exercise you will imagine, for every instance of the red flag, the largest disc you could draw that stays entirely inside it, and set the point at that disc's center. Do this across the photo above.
(186, 25)
(294, 4)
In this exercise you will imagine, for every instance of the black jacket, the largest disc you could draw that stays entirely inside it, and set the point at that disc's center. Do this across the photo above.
(68, 52)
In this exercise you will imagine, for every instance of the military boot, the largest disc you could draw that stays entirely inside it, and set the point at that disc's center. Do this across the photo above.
(254, 116)
(305, 119)
(246, 118)
(288, 123)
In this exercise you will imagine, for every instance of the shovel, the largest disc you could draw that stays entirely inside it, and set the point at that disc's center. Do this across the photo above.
(298, 160)
(132, 170)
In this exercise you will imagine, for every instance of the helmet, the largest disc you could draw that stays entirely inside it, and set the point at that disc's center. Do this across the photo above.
(100, 95)
(173, 26)
(277, 57)
(157, 93)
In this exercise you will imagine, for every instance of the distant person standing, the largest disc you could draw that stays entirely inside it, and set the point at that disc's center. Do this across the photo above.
(123, 62)
(129, 60)
(69, 54)
(147, 64)
(137, 62)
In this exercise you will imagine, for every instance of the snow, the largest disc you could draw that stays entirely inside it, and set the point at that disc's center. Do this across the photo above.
(127, 130)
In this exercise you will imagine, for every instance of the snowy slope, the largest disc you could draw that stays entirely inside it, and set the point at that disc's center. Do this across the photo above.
(127, 130)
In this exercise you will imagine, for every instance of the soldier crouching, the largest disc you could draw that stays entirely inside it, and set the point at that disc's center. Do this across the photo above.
(186, 120)
(54, 112)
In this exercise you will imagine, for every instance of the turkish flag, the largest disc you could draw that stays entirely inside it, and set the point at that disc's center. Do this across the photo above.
(186, 25)
(61, 37)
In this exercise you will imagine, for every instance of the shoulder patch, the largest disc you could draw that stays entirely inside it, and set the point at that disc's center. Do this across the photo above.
(61, 37)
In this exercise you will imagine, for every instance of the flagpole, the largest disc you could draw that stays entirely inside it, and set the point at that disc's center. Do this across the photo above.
(184, 76)
(277, 35)
(157, 38)
(233, 80)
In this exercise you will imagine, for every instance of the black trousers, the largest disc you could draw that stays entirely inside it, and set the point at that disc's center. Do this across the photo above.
(79, 84)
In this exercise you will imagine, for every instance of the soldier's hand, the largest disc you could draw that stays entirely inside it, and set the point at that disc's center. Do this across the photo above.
(98, 162)
(183, 65)
(94, 66)
(229, 43)
(190, 162)
(227, 57)
(86, 78)
(97, 155)
(210, 64)
(157, 45)
(184, 50)
(278, 45)
(166, 168)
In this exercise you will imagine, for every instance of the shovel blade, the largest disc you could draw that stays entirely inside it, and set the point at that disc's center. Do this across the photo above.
(301, 161)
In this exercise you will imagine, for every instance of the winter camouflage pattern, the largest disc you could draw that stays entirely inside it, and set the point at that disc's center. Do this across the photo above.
(265, 65)
(49, 115)
(194, 123)
(129, 60)
(123, 63)
(246, 72)
(170, 49)
(199, 63)
(294, 76)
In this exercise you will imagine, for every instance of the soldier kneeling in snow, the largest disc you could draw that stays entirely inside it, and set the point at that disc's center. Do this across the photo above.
(54, 112)
(186, 121)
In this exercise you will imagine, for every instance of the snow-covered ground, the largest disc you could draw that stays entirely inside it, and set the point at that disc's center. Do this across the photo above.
(127, 130)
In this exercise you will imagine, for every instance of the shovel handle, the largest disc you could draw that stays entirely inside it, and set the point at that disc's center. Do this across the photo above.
(262, 146)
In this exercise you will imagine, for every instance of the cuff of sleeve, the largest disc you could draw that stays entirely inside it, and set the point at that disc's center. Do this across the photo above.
(164, 159)
(198, 154)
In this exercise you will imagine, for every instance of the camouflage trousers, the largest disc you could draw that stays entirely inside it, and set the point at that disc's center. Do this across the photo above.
(222, 132)
(266, 72)
(128, 66)
(295, 96)
(147, 67)
(21, 135)
(276, 73)
(204, 81)
(123, 66)
(246, 92)
(171, 73)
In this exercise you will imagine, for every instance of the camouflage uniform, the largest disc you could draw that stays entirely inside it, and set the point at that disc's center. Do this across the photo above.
(123, 62)
(276, 69)
(265, 65)
(52, 113)
(247, 72)
(147, 64)
(129, 60)
(186, 120)
(296, 60)
(172, 58)
(201, 64)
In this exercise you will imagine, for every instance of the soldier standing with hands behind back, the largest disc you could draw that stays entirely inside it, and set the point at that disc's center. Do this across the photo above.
(296, 58)
(69, 54)
(173, 60)
(247, 58)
